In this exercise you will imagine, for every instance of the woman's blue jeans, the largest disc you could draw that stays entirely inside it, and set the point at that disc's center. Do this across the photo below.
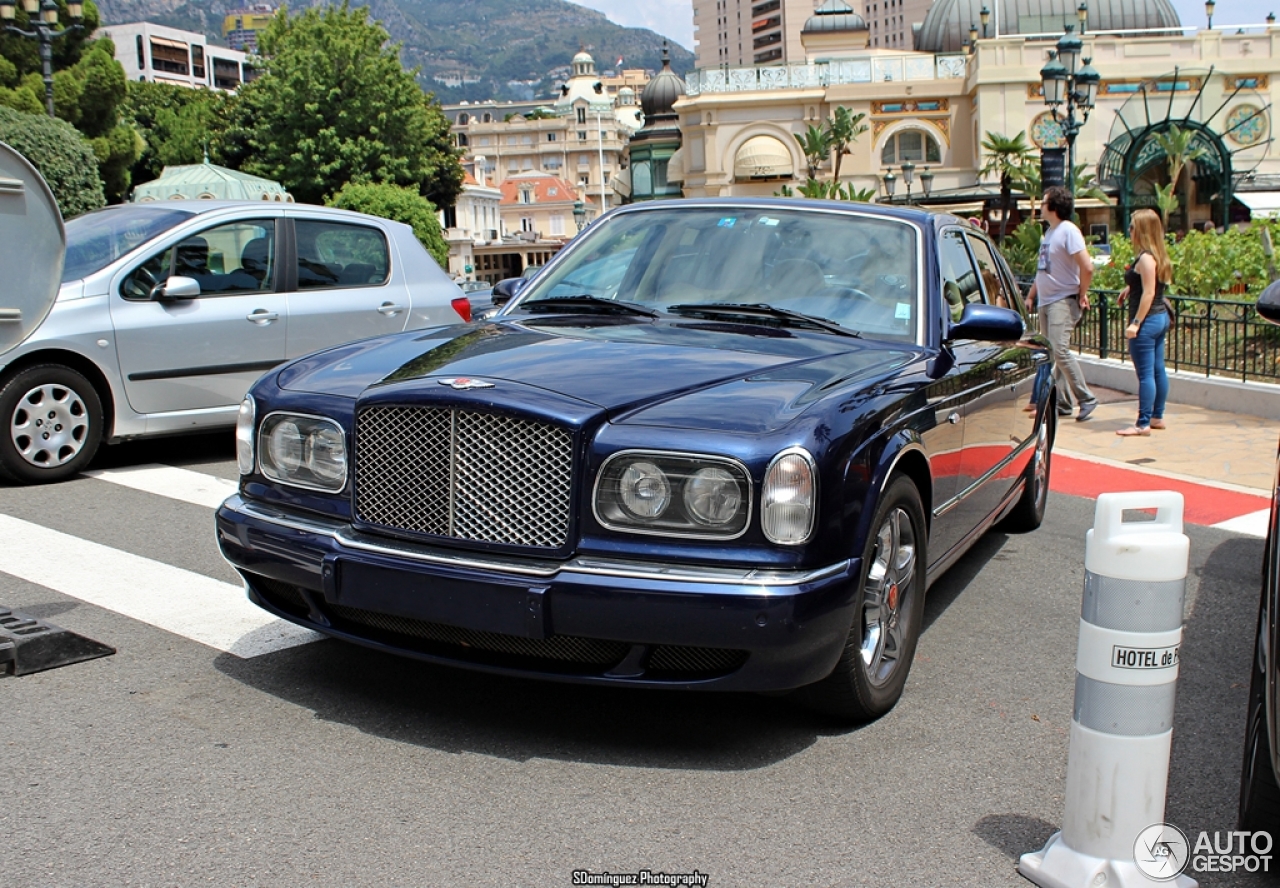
(1147, 351)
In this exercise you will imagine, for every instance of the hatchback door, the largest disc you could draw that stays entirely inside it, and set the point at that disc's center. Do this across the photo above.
(345, 284)
(204, 352)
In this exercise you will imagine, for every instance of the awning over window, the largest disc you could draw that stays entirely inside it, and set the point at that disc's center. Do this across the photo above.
(675, 166)
(763, 157)
(165, 41)
(1260, 203)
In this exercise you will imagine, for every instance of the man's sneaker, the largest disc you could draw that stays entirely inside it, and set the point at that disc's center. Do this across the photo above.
(1064, 411)
(1086, 410)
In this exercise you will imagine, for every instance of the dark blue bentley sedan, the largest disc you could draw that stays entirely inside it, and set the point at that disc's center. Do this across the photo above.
(715, 444)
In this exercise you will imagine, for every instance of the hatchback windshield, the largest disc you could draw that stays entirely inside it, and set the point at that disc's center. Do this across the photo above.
(858, 271)
(97, 239)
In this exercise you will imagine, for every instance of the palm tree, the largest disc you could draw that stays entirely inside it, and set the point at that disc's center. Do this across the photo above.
(843, 130)
(1005, 157)
(1176, 143)
(816, 145)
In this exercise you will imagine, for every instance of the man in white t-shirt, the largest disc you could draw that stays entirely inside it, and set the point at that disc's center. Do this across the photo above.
(1061, 293)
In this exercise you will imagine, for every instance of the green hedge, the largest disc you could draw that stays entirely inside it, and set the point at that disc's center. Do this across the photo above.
(62, 156)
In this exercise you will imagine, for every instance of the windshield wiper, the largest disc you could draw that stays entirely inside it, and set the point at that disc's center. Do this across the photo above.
(587, 302)
(763, 310)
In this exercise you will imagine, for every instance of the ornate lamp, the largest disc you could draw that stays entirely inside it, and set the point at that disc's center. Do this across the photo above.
(1208, 11)
(890, 184)
(1082, 13)
(1069, 48)
(985, 17)
(1087, 80)
(1053, 77)
(926, 181)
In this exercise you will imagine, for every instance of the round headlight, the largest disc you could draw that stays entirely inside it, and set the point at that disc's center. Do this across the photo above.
(328, 454)
(712, 496)
(646, 492)
(285, 446)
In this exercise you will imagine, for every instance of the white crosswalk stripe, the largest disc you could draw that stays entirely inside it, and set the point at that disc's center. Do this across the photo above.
(183, 602)
(1254, 524)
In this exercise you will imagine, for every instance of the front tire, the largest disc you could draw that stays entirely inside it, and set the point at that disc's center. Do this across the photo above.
(53, 424)
(1028, 514)
(872, 671)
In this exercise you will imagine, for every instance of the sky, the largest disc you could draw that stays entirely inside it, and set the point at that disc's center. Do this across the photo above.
(674, 18)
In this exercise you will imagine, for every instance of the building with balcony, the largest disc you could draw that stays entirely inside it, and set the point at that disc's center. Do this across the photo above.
(240, 27)
(932, 104)
(159, 54)
(580, 136)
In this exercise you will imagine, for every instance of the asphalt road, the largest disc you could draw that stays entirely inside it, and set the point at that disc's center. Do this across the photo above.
(175, 764)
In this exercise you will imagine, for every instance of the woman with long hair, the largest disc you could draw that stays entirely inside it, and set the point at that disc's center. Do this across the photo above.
(1145, 282)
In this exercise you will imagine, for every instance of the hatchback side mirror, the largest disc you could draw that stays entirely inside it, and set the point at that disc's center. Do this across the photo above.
(1269, 303)
(176, 287)
(506, 290)
(987, 323)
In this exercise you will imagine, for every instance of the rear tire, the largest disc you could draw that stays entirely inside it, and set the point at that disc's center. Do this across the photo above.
(872, 671)
(1259, 792)
(1028, 514)
(52, 424)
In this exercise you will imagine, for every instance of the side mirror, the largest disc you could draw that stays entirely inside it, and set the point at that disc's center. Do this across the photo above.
(987, 323)
(176, 287)
(1269, 303)
(506, 290)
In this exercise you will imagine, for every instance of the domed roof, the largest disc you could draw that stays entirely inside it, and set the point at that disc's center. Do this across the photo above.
(663, 91)
(946, 26)
(583, 57)
(834, 16)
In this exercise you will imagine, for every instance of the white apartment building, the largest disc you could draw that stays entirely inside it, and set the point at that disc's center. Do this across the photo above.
(159, 54)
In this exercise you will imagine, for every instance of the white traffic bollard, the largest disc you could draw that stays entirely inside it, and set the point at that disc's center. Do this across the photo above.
(1122, 725)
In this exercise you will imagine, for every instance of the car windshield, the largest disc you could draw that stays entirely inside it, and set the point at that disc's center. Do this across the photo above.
(859, 271)
(97, 239)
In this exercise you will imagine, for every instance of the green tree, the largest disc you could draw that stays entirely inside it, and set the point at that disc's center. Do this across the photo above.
(843, 130)
(1005, 158)
(60, 153)
(815, 144)
(1178, 148)
(401, 205)
(334, 105)
(177, 125)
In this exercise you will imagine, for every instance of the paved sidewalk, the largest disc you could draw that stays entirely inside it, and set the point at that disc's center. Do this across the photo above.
(1222, 463)
(1226, 448)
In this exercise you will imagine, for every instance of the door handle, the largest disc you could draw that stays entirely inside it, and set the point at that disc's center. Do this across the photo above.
(390, 309)
(1008, 367)
(262, 317)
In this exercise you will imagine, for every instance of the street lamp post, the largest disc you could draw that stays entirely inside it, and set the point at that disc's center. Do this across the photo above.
(579, 213)
(1082, 13)
(908, 176)
(985, 15)
(926, 182)
(1208, 11)
(42, 16)
(1067, 83)
(890, 185)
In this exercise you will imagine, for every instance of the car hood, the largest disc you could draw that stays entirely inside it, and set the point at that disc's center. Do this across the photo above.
(682, 373)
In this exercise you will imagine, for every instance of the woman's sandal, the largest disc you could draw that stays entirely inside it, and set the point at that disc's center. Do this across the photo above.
(1157, 424)
(1133, 431)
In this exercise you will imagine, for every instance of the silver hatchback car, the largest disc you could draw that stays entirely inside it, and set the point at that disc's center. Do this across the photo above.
(169, 311)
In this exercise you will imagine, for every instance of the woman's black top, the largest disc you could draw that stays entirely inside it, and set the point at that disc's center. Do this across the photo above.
(1133, 280)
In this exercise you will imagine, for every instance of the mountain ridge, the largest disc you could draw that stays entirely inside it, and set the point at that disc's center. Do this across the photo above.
(466, 51)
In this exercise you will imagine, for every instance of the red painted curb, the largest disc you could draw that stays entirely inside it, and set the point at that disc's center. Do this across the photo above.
(1202, 504)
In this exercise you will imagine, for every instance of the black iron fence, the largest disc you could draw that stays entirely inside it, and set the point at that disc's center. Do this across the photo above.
(1210, 336)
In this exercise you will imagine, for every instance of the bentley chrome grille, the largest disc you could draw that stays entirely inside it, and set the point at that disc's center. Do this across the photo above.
(463, 474)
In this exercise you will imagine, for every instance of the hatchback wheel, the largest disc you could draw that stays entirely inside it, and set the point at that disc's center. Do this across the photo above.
(868, 680)
(52, 424)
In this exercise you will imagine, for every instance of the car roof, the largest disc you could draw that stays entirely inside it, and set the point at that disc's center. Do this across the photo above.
(208, 206)
(920, 215)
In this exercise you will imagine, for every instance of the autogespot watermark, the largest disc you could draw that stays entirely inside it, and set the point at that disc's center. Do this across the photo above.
(1163, 852)
(694, 879)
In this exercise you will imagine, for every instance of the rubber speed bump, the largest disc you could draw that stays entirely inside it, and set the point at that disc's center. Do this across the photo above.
(29, 645)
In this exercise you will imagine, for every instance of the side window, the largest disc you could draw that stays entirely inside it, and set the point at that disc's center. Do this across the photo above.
(340, 254)
(234, 258)
(959, 278)
(989, 269)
